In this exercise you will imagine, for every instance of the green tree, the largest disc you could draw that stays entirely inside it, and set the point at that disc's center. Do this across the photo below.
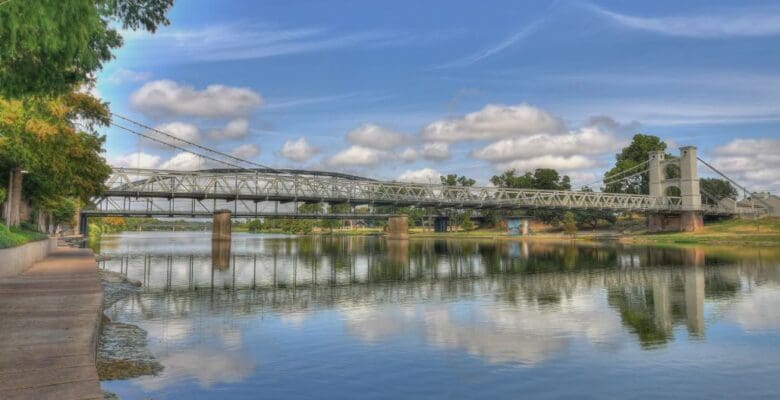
(629, 158)
(718, 188)
(461, 217)
(569, 224)
(48, 47)
(592, 217)
(455, 180)
(62, 160)
(541, 178)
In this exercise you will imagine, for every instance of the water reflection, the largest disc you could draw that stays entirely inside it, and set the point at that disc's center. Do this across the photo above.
(516, 303)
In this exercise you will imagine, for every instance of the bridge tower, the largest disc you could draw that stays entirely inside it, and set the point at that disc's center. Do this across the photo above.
(662, 182)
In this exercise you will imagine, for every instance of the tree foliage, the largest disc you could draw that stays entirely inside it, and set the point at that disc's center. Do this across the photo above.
(569, 223)
(631, 156)
(455, 180)
(719, 188)
(63, 161)
(48, 47)
(541, 178)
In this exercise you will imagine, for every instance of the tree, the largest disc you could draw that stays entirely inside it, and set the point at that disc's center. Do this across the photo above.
(48, 47)
(630, 157)
(462, 217)
(63, 162)
(569, 224)
(591, 217)
(718, 188)
(541, 178)
(455, 180)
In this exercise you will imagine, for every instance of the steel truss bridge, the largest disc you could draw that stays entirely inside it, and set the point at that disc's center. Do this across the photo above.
(270, 193)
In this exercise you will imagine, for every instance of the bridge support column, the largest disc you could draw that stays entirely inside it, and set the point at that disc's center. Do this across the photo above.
(440, 224)
(220, 254)
(684, 221)
(83, 227)
(517, 226)
(220, 229)
(398, 227)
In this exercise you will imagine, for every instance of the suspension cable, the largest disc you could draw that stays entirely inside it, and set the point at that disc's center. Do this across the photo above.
(232, 157)
(174, 146)
(744, 189)
(625, 178)
(618, 174)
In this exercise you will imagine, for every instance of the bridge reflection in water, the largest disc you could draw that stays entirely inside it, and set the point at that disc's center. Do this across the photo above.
(652, 290)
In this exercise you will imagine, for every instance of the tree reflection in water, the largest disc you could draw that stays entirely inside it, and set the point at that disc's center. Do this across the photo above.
(504, 301)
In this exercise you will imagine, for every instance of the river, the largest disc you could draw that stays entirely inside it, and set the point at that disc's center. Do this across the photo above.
(278, 316)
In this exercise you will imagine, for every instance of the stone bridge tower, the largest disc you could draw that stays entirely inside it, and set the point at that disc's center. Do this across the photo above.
(675, 182)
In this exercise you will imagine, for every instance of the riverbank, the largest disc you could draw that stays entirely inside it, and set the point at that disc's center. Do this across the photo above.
(49, 319)
(122, 350)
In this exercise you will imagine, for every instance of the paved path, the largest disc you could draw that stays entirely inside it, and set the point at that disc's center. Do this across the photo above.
(49, 319)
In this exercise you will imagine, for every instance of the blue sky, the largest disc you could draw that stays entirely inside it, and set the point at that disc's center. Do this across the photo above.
(410, 89)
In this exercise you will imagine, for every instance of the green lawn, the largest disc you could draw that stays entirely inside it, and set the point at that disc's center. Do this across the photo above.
(17, 237)
(765, 231)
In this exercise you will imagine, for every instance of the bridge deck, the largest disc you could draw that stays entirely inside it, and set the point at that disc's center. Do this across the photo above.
(153, 192)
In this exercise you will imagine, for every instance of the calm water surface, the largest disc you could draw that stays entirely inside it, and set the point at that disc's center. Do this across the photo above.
(361, 317)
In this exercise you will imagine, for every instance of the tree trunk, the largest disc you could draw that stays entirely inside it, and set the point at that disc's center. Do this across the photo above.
(15, 197)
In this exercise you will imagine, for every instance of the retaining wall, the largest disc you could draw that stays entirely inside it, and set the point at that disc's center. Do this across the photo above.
(15, 260)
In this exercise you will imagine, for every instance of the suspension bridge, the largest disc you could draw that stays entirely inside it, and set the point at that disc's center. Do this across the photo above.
(250, 190)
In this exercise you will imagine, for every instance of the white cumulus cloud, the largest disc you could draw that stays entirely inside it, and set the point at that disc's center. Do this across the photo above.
(298, 150)
(755, 162)
(408, 154)
(245, 151)
(356, 156)
(184, 162)
(235, 129)
(135, 160)
(424, 175)
(493, 122)
(561, 163)
(377, 137)
(585, 141)
(181, 130)
(162, 97)
(437, 151)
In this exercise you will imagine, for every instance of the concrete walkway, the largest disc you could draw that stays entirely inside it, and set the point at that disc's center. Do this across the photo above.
(49, 319)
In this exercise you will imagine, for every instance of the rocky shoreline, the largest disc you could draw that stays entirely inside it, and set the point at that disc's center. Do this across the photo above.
(122, 351)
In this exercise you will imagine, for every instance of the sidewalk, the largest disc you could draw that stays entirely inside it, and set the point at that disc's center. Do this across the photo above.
(49, 321)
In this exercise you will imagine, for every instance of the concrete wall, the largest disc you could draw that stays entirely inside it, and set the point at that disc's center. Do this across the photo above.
(15, 260)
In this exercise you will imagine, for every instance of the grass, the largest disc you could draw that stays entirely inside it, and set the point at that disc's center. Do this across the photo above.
(16, 237)
(764, 231)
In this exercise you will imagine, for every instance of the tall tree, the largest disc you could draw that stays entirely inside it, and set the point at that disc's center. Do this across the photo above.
(627, 161)
(541, 178)
(48, 47)
(718, 188)
(63, 160)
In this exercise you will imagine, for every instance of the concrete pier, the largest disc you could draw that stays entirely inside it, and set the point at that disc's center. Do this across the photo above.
(221, 229)
(398, 227)
(49, 320)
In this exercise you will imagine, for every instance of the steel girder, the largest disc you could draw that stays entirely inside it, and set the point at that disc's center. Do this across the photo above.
(253, 187)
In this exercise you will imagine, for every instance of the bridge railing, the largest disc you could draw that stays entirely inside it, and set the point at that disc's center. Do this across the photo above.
(261, 186)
